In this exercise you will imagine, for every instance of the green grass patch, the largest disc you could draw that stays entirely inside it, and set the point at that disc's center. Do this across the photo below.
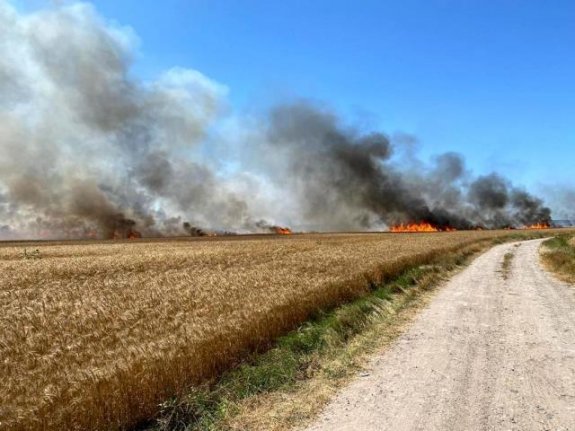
(561, 242)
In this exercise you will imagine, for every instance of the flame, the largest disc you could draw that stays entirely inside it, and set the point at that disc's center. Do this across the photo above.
(414, 227)
(278, 230)
(91, 234)
(134, 234)
(131, 234)
(420, 227)
(541, 225)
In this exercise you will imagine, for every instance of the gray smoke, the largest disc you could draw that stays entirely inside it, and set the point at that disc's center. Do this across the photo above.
(88, 150)
(85, 146)
(339, 174)
(562, 199)
(346, 179)
(500, 205)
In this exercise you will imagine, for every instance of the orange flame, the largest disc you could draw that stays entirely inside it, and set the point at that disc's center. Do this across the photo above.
(91, 234)
(282, 230)
(420, 227)
(134, 234)
(414, 227)
(542, 225)
(131, 234)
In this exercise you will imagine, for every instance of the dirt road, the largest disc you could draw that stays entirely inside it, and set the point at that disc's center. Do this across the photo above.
(495, 350)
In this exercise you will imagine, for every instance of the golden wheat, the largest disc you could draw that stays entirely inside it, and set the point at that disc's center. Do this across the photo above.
(95, 335)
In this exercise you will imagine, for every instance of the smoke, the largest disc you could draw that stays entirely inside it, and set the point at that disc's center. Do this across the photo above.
(562, 198)
(85, 145)
(86, 149)
(193, 230)
(340, 174)
(499, 204)
(346, 179)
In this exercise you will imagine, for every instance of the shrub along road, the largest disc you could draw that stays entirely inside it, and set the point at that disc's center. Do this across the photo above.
(494, 351)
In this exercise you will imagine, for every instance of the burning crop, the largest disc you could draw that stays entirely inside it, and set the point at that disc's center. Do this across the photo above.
(536, 226)
(428, 227)
(134, 234)
(419, 227)
(281, 230)
(414, 227)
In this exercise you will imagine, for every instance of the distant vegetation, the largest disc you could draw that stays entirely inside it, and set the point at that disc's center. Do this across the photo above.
(97, 335)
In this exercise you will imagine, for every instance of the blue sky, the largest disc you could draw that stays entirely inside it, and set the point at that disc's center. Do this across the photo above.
(493, 80)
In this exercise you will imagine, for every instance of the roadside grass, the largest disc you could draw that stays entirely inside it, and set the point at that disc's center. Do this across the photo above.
(288, 384)
(559, 256)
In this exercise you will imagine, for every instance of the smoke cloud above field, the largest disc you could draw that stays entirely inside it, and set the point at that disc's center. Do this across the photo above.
(346, 178)
(84, 145)
(87, 149)
(562, 198)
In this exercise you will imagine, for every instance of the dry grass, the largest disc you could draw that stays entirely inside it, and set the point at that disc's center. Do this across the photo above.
(94, 336)
(559, 256)
(506, 264)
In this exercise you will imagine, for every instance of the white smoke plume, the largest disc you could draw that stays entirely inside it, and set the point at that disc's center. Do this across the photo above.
(85, 146)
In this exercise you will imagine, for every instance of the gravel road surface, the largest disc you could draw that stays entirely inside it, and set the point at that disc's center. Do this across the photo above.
(495, 350)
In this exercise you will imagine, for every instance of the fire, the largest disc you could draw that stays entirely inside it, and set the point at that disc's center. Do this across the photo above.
(542, 225)
(134, 234)
(420, 227)
(131, 234)
(414, 227)
(91, 234)
(281, 230)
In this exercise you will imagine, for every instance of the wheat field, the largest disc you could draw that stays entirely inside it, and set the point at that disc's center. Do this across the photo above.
(96, 335)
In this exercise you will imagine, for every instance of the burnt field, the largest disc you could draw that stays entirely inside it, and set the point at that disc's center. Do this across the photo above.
(95, 334)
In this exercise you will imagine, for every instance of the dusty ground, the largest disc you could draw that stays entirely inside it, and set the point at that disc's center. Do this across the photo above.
(494, 351)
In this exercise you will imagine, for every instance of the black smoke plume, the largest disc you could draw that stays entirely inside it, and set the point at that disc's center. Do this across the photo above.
(345, 179)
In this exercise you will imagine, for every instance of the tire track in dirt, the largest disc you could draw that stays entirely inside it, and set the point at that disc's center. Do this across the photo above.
(489, 353)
